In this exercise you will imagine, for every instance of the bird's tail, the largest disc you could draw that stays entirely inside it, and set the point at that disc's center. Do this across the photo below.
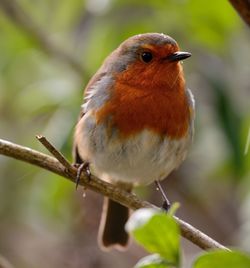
(112, 232)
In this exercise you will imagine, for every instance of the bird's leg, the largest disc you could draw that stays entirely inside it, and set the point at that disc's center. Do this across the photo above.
(166, 204)
(80, 168)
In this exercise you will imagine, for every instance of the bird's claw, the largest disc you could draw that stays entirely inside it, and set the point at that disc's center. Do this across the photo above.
(80, 168)
(166, 204)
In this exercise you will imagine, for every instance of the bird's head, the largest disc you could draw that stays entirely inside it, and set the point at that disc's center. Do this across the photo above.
(149, 60)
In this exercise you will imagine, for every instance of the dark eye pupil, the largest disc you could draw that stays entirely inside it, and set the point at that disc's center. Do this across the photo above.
(146, 56)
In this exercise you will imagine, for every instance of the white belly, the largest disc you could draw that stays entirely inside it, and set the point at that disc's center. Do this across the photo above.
(141, 159)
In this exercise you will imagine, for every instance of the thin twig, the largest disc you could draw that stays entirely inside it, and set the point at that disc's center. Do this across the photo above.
(123, 197)
(54, 151)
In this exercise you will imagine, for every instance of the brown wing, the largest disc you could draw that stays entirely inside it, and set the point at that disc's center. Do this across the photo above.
(76, 157)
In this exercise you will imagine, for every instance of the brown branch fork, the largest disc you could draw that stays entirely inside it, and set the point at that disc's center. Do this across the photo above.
(59, 165)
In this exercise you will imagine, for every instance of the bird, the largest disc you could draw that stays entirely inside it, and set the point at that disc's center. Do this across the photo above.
(136, 123)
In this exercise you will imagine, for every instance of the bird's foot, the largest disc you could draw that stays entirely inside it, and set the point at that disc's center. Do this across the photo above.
(80, 168)
(166, 203)
(166, 206)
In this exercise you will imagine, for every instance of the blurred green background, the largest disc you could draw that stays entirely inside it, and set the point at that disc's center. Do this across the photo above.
(48, 51)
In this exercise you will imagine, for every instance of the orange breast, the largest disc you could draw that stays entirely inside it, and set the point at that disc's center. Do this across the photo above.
(156, 104)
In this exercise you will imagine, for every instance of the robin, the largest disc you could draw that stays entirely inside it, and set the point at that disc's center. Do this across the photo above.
(136, 123)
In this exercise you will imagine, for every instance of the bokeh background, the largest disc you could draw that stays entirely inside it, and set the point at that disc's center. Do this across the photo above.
(48, 51)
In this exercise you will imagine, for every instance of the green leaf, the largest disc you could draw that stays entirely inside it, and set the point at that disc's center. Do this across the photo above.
(157, 232)
(152, 261)
(223, 259)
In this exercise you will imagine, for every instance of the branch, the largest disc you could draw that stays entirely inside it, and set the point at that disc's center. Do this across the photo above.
(69, 172)
(15, 12)
(243, 8)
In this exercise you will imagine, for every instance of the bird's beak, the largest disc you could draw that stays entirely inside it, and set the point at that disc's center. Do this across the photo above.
(177, 56)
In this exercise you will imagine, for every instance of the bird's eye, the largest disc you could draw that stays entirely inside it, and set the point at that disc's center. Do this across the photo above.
(146, 56)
